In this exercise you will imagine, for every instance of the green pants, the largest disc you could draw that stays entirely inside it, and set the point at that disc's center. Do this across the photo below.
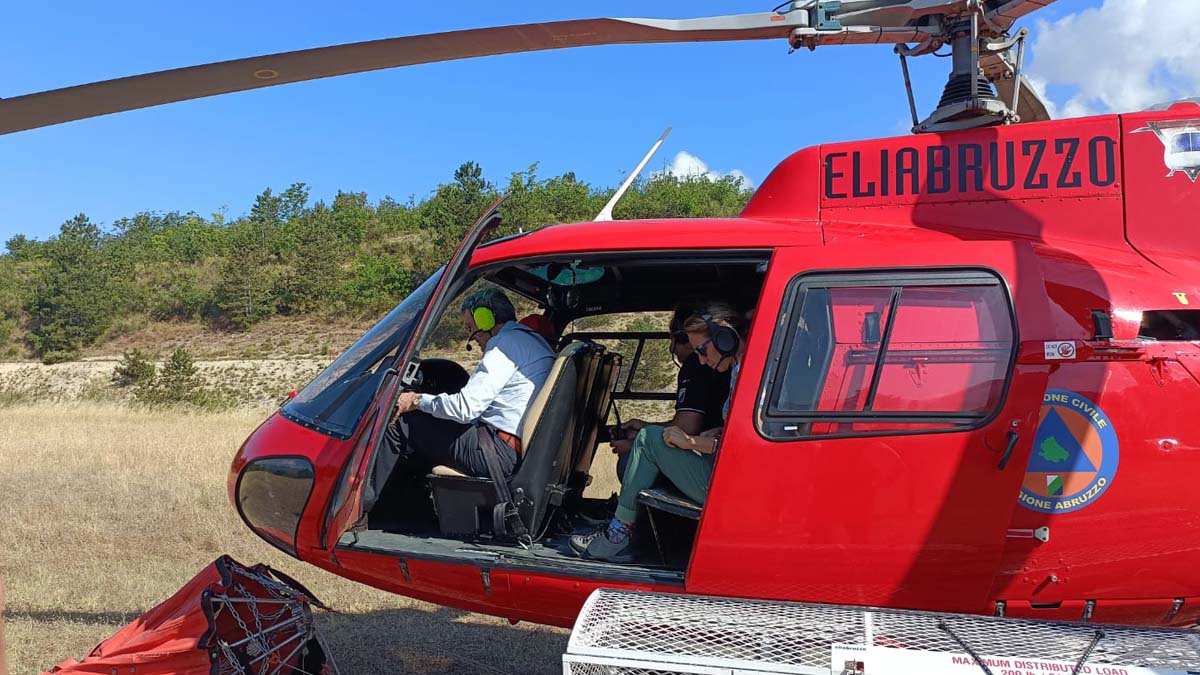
(651, 458)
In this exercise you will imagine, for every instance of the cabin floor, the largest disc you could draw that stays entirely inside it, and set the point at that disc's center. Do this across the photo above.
(551, 553)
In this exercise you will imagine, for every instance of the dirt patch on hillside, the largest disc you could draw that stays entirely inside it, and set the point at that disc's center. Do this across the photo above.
(252, 383)
(275, 338)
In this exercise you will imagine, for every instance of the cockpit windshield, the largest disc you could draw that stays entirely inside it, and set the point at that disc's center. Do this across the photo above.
(335, 401)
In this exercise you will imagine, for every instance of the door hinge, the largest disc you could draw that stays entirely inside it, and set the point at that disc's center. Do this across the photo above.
(404, 571)
(1175, 607)
(1088, 608)
(1158, 370)
(486, 576)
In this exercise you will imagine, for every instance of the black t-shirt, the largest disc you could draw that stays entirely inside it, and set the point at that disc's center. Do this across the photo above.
(702, 389)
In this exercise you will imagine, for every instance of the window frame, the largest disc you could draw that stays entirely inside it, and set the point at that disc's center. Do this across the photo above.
(765, 411)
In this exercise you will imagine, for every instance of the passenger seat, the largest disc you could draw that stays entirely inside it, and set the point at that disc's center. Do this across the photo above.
(464, 503)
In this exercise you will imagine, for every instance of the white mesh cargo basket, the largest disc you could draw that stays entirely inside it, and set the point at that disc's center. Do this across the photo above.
(630, 633)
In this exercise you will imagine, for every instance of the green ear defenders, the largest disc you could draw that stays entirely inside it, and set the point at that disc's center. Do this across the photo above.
(485, 320)
(724, 338)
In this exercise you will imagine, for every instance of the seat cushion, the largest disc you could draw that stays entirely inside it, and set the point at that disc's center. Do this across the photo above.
(669, 500)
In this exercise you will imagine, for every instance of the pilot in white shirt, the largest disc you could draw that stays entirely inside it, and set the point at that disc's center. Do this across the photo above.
(451, 429)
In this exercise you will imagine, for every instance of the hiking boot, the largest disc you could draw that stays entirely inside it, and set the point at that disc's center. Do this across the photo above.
(580, 540)
(609, 543)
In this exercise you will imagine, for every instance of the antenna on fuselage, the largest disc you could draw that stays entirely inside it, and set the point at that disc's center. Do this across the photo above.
(606, 212)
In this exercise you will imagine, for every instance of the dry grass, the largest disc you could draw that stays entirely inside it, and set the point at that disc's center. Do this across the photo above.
(106, 510)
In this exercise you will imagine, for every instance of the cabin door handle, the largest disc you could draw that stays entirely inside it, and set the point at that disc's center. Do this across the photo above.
(1008, 449)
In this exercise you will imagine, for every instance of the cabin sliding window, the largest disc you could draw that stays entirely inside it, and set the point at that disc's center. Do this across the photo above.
(886, 353)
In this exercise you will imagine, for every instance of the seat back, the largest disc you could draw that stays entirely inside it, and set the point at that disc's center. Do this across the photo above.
(593, 417)
(584, 402)
(547, 433)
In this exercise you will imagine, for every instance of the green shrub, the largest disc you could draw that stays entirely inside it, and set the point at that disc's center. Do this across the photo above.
(178, 377)
(175, 383)
(378, 284)
(135, 370)
(60, 355)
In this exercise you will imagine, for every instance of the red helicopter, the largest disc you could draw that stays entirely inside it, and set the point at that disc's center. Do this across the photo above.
(965, 388)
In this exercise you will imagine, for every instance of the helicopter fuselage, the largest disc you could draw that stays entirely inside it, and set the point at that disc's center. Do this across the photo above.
(1028, 295)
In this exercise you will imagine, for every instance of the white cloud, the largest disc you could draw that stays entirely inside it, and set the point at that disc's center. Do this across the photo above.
(1125, 55)
(685, 164)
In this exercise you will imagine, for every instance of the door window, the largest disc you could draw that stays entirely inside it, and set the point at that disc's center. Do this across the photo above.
(888, 353)
(334, 402)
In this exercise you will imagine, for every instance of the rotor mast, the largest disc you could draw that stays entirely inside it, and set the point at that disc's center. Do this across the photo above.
(979, 44)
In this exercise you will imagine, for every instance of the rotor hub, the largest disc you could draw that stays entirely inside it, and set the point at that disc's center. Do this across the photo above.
(969, 99)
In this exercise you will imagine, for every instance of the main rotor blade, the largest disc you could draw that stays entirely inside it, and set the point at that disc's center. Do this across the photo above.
(1007, 12)
(181, 84)
(1001, 73)
(1030, 106)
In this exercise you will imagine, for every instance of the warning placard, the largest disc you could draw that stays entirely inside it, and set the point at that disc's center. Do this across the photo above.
(888, 661)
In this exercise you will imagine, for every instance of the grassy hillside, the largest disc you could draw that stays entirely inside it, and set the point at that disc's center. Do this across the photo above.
(152, 280)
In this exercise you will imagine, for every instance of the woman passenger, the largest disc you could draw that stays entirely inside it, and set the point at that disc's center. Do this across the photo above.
(715, 331)
(700, 392)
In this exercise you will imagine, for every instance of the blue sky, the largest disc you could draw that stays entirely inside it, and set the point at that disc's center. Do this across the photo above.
(736, 106)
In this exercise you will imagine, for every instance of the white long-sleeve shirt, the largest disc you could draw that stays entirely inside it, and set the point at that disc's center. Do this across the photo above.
(514, 367)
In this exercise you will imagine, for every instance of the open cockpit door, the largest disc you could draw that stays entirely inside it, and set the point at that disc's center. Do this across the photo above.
(456, 269)
(356, 493)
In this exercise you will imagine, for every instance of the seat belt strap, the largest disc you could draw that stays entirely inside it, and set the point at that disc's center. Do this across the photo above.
(505, 517)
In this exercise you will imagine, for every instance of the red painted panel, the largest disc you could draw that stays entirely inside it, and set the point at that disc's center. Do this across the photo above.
(554, 599)
(459, 586)
(1045, 183)
(791, 191)
(516, 595)
(1140, 537)
(696, 234)
(912, 521)
(1161, 172)
(1141, 612)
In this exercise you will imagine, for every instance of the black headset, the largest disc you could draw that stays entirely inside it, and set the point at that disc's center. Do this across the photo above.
(724, 338)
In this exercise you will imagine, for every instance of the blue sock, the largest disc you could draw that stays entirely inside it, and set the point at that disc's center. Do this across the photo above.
(617, 527)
